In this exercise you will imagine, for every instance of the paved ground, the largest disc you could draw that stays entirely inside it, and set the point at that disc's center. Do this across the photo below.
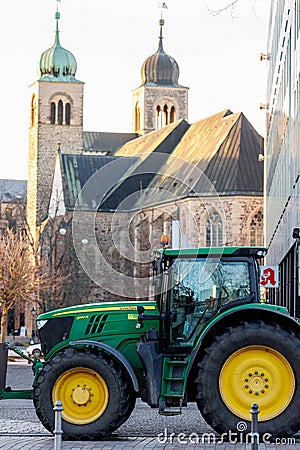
(128, 443)
(20, 428)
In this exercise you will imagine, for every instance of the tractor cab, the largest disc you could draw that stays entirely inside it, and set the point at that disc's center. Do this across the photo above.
(193, 285)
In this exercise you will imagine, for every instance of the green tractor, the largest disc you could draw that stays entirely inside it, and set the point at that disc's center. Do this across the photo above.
(205, 337)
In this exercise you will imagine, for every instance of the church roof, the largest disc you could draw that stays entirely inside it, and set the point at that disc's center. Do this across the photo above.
(217, 155)
(99, 141)
(76, 170)
(162, 140)
(225, 147)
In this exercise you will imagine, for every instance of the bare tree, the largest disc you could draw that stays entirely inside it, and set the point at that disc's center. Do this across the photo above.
(229, 6)
(55, 251)
(20, 274)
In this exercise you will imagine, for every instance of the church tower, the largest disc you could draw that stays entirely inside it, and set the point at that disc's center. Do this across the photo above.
(56, 119)
(159, 100)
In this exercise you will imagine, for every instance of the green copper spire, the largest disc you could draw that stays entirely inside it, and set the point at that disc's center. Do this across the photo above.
(57, 63)
(57, 17)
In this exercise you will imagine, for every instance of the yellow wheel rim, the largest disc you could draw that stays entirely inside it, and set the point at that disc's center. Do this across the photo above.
(83, 393)
(257, 374)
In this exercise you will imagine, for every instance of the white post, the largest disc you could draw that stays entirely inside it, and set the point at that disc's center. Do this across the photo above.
(58, 428)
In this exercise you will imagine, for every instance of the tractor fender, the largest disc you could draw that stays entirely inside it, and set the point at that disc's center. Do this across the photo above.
(235, 316)
(114, 352)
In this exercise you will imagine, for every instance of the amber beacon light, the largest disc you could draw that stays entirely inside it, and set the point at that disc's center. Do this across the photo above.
(164, 240)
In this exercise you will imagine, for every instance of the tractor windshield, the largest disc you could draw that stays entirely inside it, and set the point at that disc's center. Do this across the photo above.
(200, 286)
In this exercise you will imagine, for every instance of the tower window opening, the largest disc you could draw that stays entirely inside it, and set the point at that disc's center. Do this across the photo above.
(172, 114)
(137, 117)
(60, 113)
(166, 115)
(52, 113)
(32, 118)
(68, 113)
(159, 118)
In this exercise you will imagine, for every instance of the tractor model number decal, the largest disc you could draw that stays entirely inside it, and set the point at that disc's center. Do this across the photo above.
(132, 316)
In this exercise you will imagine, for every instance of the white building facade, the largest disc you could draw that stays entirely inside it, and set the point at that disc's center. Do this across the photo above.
(282, 151)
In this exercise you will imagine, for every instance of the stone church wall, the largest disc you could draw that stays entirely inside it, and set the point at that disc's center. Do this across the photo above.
(126, 243)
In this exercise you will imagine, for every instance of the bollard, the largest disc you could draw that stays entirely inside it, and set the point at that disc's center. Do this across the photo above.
(58, 428)
(254, 426)
(3, 365)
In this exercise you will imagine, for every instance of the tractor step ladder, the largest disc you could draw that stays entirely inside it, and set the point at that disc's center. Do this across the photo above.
(173, 385)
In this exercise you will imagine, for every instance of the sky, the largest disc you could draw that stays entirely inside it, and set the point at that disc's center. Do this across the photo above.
(217, 54)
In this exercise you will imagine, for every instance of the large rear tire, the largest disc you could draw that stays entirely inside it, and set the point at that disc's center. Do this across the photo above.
(249, 363)
(96, 394)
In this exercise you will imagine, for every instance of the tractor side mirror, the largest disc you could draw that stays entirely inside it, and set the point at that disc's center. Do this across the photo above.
(140, 310)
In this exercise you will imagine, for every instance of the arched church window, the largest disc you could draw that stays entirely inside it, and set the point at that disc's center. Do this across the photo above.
(207, 234)
(214, 230)
(137, 117)
(166, 115)
(159, 122)
(60, 113)
(172, 114)
(256, 229)
(32, 117)
(68, 113)
(52, 113)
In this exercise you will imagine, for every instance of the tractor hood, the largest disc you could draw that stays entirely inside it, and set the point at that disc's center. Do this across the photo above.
(110, 322)
(93, 308)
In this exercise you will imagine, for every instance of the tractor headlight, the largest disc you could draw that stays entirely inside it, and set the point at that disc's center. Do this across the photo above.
(261, 253)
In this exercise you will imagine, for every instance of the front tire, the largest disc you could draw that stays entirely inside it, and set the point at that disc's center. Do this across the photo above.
(96, 394)
(251, 363)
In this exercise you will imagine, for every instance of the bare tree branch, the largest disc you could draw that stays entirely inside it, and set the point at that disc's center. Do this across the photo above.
(20, 276)
(229, 6)
(232, 7)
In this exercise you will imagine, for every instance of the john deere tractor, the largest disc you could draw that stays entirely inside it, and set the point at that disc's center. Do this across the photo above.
(205, 337)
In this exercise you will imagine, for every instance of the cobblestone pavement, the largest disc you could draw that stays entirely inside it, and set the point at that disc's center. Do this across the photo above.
(20, 428)
(129, 443)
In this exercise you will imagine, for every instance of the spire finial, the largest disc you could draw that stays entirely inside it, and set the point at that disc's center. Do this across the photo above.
(161, 23)
(57, 17)
(162, 6)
